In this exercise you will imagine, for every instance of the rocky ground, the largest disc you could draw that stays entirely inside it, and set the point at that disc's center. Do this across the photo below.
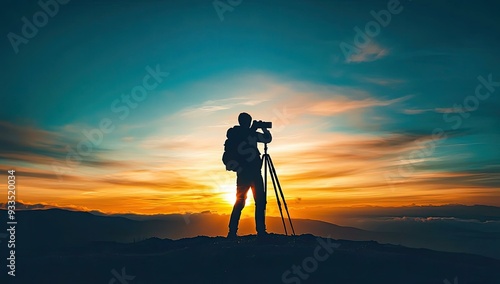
(248, 259)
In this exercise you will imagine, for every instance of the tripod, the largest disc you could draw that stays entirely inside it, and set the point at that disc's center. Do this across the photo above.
(268, 162)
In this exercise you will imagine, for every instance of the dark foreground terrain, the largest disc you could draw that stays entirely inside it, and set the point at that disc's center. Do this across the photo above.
(277, 259)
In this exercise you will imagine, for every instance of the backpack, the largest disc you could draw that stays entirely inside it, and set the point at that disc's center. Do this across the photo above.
(231, 158)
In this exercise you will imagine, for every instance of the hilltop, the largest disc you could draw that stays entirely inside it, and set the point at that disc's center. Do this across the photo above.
(248, 259)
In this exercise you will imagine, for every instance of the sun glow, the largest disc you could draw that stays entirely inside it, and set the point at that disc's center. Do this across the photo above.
(228, 194)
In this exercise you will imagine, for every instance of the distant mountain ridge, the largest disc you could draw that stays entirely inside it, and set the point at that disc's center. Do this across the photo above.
(54, 229)
(59, 228)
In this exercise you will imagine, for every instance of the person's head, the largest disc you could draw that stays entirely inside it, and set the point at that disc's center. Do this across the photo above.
(245, 120)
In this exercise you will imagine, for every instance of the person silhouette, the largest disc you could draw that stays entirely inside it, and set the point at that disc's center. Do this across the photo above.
(249, 172)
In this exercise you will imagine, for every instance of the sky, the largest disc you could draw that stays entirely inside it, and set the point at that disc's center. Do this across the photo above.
(123, 106)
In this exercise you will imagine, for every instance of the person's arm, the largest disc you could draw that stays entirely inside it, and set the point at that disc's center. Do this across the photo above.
(265, 136)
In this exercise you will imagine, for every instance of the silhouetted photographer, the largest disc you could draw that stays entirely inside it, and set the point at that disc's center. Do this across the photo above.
(242, 156)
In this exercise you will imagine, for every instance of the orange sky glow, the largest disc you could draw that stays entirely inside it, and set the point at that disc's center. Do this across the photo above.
(328, 149)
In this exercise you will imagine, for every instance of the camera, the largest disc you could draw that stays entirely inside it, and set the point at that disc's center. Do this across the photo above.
(262, 124)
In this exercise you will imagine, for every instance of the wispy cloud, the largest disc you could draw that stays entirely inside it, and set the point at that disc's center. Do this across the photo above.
(371, 52)
(220, 105)
(383, 81)
(343, 104)
(436, 110)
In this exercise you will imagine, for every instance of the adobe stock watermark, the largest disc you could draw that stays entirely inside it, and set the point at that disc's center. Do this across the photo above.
(310, 264)
(372, 29)
(121, 278)
(461, 111)
(40, 19)
(223, 6)
(121, 107)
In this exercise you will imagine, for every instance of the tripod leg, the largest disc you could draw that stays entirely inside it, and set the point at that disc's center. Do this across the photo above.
(273, 172)
(276, 192)
(264, 158)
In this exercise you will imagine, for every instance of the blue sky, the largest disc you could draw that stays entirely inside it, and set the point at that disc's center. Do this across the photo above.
(270, 59)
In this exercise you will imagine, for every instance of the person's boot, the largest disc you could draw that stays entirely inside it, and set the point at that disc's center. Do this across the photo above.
(232, 235)
(262, 234)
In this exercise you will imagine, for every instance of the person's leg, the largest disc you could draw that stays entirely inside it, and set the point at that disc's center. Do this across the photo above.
(241, 192)
(260, 204)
